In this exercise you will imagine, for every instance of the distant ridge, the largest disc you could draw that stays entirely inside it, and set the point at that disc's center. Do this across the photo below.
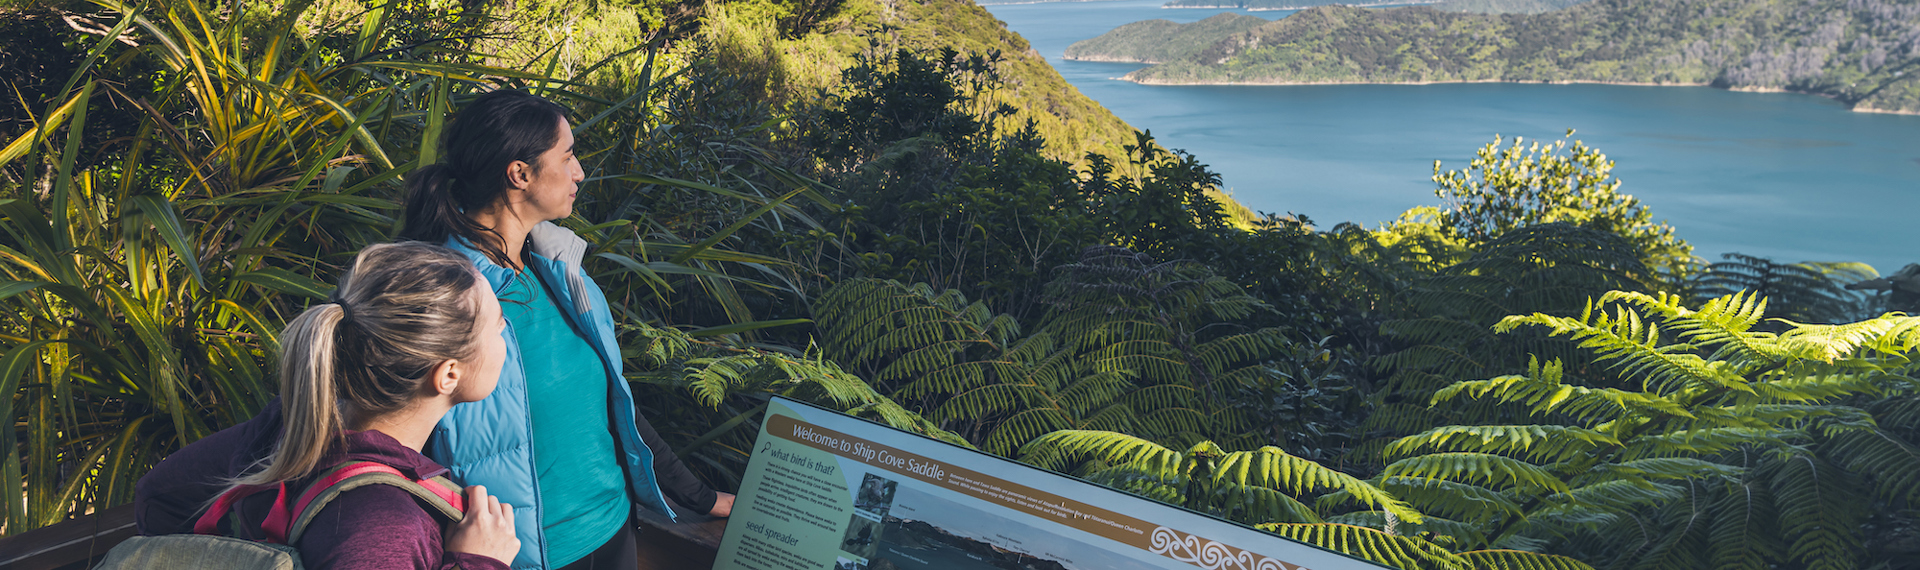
(1505, 6)
(1277, 5)
(1865, 53)
(1155, 41)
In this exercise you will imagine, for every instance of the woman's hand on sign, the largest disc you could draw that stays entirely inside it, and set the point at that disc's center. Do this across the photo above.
(487, 529)
(722, 505)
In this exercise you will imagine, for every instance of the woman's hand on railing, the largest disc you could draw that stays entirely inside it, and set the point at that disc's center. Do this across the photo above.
(722, 505)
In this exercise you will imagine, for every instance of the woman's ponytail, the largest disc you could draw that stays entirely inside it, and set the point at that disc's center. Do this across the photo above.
(433, 206)
(309, 404)
(404, 309)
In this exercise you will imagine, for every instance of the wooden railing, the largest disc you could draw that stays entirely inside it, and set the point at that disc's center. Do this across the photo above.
(79, 543)
(71, 545)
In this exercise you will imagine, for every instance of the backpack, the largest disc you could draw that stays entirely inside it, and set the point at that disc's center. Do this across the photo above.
(206, 549)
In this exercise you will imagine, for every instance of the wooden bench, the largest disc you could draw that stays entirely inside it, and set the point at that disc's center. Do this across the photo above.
(80, 543)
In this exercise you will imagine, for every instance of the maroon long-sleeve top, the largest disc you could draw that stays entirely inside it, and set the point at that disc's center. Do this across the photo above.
(376, 527)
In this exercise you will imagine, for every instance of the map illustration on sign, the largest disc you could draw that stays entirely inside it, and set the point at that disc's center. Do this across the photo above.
(826, 491)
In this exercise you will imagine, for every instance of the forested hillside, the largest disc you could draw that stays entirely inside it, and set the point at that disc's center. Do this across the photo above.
(1862, 52)
(1504, 6)
(1268, 5)
(1155, 41)
(1480, 6)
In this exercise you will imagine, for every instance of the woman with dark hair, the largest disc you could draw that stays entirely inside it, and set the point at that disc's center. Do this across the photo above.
(560, 438)
(410, 334)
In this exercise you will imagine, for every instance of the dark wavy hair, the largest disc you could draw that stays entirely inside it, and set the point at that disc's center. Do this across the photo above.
(496, 129)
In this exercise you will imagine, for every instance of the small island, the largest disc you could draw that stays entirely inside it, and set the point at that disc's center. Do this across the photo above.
(1862, 53)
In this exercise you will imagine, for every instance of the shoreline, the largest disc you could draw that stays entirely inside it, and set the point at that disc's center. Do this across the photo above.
(1745, 89)
(1109, 60)
(1129, 77)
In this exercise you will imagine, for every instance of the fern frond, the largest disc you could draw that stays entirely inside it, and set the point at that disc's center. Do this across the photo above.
(1274, 468)
(1253, 505)
(1395, 551)
(1813, 386)
(1664, 468)
(1725, 321)
(1485, 469)
(1618, 495)
(1820, 506)
(1543, 392)
(1634, 346)
(1400, 418)
(1450, 499)
(1891, 460)
(1023, 427)
(989, 400)
(1685, 547)
(1831, 418)
(1429, 330)
(1531, 442)
(1222, 353)
(1703, 441)
(1061, 449)
(1887, 334)
(1431, 528)
(1139, 483)
(1520, 560)
(1744, 536)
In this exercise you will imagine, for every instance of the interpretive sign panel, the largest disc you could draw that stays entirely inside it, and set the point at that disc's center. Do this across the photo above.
(827, 491)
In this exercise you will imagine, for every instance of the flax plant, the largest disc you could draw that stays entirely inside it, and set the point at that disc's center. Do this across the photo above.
(143, 291)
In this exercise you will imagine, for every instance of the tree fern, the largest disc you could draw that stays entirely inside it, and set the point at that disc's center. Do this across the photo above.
(1819, 505)
(1237, 484)
(1447, 334)
(1742, 448)
(1391, 550)
(1520, 560)
(1800, 292)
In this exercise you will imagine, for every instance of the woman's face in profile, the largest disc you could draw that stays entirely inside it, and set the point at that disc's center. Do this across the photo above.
(551, 185)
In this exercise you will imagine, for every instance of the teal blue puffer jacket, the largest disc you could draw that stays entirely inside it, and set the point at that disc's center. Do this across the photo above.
(489, 442)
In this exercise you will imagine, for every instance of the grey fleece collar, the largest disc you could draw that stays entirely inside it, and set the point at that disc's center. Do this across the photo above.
(560, 244)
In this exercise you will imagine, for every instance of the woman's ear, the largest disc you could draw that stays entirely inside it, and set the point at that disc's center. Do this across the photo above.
(446, 378)
(519, 174)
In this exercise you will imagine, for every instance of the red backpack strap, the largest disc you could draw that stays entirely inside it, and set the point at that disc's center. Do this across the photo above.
(288, 525)
(209, 522)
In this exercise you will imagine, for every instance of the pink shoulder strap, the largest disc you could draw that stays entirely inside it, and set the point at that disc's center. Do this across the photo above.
(209, 522)
(280, 518)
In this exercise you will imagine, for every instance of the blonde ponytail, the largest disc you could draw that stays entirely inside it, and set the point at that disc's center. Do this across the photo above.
(309, 404)
(403, 309)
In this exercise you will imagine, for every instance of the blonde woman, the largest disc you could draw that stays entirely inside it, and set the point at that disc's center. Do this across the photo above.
(411, 332)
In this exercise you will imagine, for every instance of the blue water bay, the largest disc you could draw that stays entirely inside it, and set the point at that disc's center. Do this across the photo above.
(1793, 177)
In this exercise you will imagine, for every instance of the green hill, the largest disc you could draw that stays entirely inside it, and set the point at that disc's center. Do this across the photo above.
(1505, 6)
(1155, 41)
(1158, 41)
(1861, 52)
(1274, 5)
(1480, 6)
